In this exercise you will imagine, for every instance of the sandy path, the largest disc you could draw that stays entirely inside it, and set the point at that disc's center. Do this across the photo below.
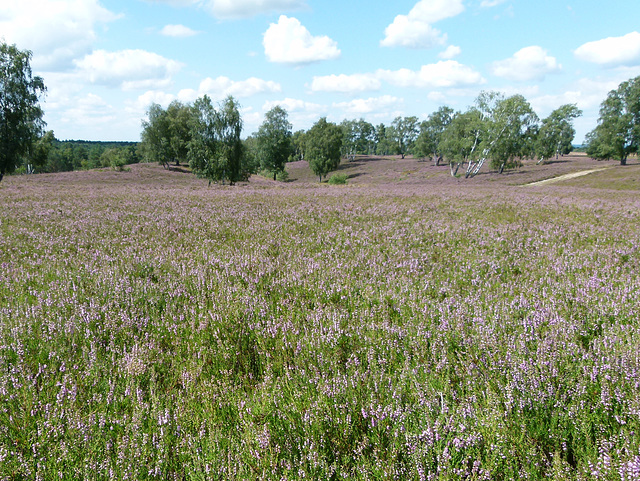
(567, 176)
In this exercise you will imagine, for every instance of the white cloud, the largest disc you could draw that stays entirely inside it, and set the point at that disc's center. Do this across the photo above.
(294, 105)
(586, 93)
(250, 8)
(128, 69)
(528, 63)
(612, 51)
(90, 109)
(345, 83)
(448, 73)
(366, 106)
(415, 30)
(56, 31)
(221, 87)
(152, 97)
(178, 31)
(450, 52)
(288, 41)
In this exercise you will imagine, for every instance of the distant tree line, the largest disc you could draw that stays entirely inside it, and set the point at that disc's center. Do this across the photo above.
(51, 155)
(498, 129)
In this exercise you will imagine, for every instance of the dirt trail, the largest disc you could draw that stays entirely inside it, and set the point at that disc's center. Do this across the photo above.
(566, 177)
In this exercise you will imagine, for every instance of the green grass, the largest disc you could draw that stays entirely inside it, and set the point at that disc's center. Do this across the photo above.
(154, 328)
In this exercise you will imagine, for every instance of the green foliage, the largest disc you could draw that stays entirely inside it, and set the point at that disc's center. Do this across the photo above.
(428, 143)
(20, 113)
(509, 129)
(274, 141)
(404, 133)
(298, 141)
(216, 151)
(338, 179)
(556, 133)
(166, 133)
(618, 132)
(322, 147)
(358, 137)
(460, 140)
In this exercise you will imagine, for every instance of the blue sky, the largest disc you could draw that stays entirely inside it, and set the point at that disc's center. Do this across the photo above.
(104, 62)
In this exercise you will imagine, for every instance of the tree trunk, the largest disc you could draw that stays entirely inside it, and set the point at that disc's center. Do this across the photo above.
(274, 175)
(501, 170)
(623, 161)
(1, 175)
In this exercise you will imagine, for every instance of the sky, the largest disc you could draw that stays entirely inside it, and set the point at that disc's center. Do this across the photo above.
(105, 62)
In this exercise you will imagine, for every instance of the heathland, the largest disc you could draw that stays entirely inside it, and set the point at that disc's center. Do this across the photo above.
(407, 325)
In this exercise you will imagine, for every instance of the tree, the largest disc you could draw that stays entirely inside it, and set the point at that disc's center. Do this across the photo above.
(460, 139)
(617, 134)
(20, 113)
(508, 130)
(428, 142)
(383, 140)
(322, 149)
(298, 140)
(156, 136)
(556, 132)
(216, 151)
(166, 133)
(39, 152)
(405, 131)
(274, 141)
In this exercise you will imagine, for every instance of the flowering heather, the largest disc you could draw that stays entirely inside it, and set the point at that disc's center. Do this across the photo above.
(154, 328)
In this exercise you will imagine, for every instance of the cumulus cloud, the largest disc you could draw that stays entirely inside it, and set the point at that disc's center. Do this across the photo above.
(416, 30)
(128, 69)
(345, 83)
(178, 31)
(366, 106)
(612, 51)
(57, 31)
(529, 63)
(295, 105)
(450, 52)
(288, 41)
(447, 73)
(221, 87)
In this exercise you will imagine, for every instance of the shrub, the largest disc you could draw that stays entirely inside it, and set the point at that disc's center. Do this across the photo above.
(338, 179)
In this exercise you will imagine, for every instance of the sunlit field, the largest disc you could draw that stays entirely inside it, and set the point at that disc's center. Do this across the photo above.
(408, 325)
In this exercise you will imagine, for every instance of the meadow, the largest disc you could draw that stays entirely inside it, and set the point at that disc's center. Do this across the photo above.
(408, 325)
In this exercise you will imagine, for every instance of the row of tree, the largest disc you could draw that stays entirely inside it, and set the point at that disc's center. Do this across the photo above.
(501, 130)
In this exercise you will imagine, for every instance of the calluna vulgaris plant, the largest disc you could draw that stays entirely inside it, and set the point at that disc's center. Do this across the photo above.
(153, 330)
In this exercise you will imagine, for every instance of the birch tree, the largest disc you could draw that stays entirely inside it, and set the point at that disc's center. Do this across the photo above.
(21, 121)
(509, 127)
(556, 132)
(618, 132)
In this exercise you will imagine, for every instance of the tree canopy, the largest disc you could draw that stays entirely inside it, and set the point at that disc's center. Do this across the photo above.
(322, 147)
(556, 132)
(618, 132)
(274, 141)
(21, 121)
(166, 133)
(216, 151)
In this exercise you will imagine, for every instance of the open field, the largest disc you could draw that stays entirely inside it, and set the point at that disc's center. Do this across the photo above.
(408, 325)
